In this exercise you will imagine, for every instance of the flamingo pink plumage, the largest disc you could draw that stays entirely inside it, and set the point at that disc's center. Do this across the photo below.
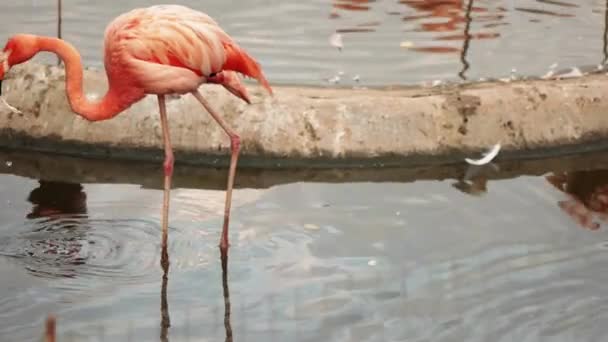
(159, 50)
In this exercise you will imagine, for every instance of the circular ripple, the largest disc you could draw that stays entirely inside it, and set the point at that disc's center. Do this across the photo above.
(80, 247)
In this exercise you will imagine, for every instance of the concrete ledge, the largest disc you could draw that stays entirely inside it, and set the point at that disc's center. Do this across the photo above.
(316, 127)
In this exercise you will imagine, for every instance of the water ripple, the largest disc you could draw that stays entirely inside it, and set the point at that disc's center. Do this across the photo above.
(77, 246)
(522, 292)
(293, 46)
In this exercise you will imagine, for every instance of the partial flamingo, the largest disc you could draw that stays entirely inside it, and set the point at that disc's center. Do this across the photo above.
(160, 50)
(587, 192)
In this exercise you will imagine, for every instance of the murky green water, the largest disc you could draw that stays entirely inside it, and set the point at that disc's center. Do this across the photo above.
(320, 255)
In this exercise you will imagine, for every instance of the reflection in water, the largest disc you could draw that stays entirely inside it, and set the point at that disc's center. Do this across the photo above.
(475, 179)
(164, 306)
(431, 25)
(449, 10)
(353, 5)
(226, 291)
(588, 195)
(49, 329)
(558, 3)
(605, 35)
(165, 321)
(59, 18)
(54, 244)
(544, 12)
(449, 16)
(475, 187)
(455, 269)
(54, 199)
(465, 47)
(59, 23)
(453, 15)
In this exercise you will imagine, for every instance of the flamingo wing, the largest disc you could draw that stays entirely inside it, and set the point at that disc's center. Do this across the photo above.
(172, 48)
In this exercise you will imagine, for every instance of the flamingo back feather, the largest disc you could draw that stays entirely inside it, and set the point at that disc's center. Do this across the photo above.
(173, 48)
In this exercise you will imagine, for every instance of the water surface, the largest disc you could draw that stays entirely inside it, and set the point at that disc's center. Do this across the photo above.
(385, 41)
(418, 254)
(501, 259)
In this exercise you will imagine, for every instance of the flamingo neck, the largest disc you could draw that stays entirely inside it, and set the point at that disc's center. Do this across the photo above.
(117, 98)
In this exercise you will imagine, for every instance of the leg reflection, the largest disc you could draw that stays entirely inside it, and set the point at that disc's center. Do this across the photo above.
(165, 321)
(467, 40)
(475, 179)
(227, 325)
(49, 330)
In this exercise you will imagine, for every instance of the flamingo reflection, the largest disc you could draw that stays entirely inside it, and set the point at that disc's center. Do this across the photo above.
(58, 251)
(353, 5)
(454, 17)
(587, 196)
(53, 199)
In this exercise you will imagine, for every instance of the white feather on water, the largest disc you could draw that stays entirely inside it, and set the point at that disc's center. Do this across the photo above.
(487, 156)
(335, 40)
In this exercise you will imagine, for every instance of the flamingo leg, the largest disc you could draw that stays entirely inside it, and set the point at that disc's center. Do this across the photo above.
(168, 167)
(235, 146)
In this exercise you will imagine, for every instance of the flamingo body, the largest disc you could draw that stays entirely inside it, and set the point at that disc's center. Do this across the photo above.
(159, 50)
(167, 49)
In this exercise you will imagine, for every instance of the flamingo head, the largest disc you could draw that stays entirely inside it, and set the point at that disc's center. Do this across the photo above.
(232, 82)
(19, 48)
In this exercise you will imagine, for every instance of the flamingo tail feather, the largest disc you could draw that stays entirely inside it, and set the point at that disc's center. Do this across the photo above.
(238, 60)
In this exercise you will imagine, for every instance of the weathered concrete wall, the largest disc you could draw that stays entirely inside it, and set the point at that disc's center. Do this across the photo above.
(314, 126)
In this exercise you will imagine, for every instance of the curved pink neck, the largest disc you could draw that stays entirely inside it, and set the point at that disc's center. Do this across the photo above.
(116, 100)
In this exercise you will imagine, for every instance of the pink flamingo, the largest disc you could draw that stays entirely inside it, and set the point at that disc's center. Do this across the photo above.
(160, 50)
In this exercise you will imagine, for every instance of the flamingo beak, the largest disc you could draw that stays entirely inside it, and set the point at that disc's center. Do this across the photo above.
(239, 91)
(232, 82)
(0, 87)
